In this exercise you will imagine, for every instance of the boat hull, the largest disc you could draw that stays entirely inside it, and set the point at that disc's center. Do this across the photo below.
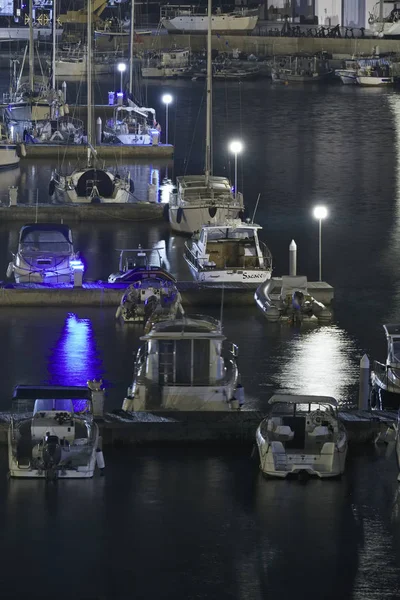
(190, 219)
(121, 197)
(249, 276)
(220, 24)
(8, 156)
(375, 81)
(78, 69)
(163, 72)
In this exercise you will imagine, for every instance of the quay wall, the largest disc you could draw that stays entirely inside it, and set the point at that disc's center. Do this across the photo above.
(265, 45)
(51, 213)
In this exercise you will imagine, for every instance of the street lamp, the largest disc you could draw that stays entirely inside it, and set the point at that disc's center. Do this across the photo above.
(320, 212)
(121, 68)
(167, 99)
(236, 147)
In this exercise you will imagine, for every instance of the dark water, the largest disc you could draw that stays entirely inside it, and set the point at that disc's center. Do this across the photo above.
(200, 523)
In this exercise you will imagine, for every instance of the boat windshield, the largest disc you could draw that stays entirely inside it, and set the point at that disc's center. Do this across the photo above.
(226, 233)
(293, 409)
(45, 241)
(77, 405)
(395, 352)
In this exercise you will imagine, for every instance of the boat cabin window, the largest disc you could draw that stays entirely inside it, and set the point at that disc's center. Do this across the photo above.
(45, 241)
(395, 351)
(230, 234)
(77, 405)
(289, 409)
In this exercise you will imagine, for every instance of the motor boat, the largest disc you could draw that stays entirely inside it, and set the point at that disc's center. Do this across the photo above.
(374, 72)
(348, 74)
(385, 378)
(229, 252)
(150, 299)
(52, 433)
(293, 303)
(302, 435)
(185, 364)
(136, 264)
(45, 255)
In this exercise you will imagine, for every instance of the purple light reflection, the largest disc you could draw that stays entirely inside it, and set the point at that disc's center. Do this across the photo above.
(75, 359)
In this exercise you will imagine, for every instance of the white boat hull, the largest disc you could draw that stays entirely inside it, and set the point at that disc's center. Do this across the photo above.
(220, 23)
(22, 33)
(192, 218)
(374, 81)
(121, 196)
(347, 77)
(163, 72)
(193, 398)
(78, 69)
(8, 156)
(134, 139)
(252, 276)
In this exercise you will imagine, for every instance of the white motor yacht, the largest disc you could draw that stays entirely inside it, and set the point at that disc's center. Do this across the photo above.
(45, 255)
(230, 252)
(52, 433)
(302, 434)
(386, 377)
(185, 364)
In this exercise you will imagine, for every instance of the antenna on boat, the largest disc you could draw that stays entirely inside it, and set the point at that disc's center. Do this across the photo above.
(255, 210)
(208, 169)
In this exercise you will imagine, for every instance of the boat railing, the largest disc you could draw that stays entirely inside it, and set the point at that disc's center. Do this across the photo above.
(205, 199)
(383, 372)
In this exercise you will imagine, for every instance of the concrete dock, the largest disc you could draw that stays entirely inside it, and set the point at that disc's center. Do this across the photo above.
(239, 428)
(107, 294)
(53, 213)
(104, 151)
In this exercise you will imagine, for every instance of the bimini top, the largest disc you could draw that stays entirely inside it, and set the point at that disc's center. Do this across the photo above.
(45, 227)
(294, 399)
(33, 392)
(197, 326)
(391, 329)
(230, 226)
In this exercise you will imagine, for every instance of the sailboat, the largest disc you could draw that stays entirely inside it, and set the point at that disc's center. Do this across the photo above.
(91, 183)
(204, 199)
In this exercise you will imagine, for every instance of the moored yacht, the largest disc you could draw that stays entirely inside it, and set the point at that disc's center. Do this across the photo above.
(302, 434)
(185, 364)
(45, 255)
(52, 433)
(186, 18)
(229, 252)
(132, 125)
(198, 200)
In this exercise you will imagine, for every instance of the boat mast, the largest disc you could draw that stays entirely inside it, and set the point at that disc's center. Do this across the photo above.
(53, 56)
(31, 47)
(131, 42)
(89, 80)
(209, 96)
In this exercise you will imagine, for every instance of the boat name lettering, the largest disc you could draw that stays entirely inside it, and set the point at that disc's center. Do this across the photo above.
(253, 275)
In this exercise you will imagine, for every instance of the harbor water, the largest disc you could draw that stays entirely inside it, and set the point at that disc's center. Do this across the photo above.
(202, 522)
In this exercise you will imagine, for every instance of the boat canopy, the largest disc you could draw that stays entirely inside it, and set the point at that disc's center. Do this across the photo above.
(294, 399)
(73, 399)
(30, 230)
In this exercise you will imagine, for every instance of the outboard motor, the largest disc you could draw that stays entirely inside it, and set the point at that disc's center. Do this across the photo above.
(51, 455)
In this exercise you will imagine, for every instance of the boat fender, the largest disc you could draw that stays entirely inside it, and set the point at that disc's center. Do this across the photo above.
(212, 211)
(100, 461)
(119, 312)
(52, 187)
(166, 211)
(179, 214)
(20, 150)
(131, 186)
(239, 395)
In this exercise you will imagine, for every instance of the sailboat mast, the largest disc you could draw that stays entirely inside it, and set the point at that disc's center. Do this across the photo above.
(131, 42)
(53, 55)
(31, 47)
(89, 77)
(209, 95)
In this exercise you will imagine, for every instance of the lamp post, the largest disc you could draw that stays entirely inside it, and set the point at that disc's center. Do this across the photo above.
(236, 147)
(121, 68)
(167, 99)
(320, 213)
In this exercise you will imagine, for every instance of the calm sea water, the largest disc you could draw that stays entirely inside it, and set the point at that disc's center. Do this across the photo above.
(196, 523)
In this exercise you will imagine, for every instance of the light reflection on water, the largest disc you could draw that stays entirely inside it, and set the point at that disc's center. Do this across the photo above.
(74, 358)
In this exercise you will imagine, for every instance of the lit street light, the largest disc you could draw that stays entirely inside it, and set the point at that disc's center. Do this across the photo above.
(121, 68)
(236, 147)
(320, 213)
(167, 99)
